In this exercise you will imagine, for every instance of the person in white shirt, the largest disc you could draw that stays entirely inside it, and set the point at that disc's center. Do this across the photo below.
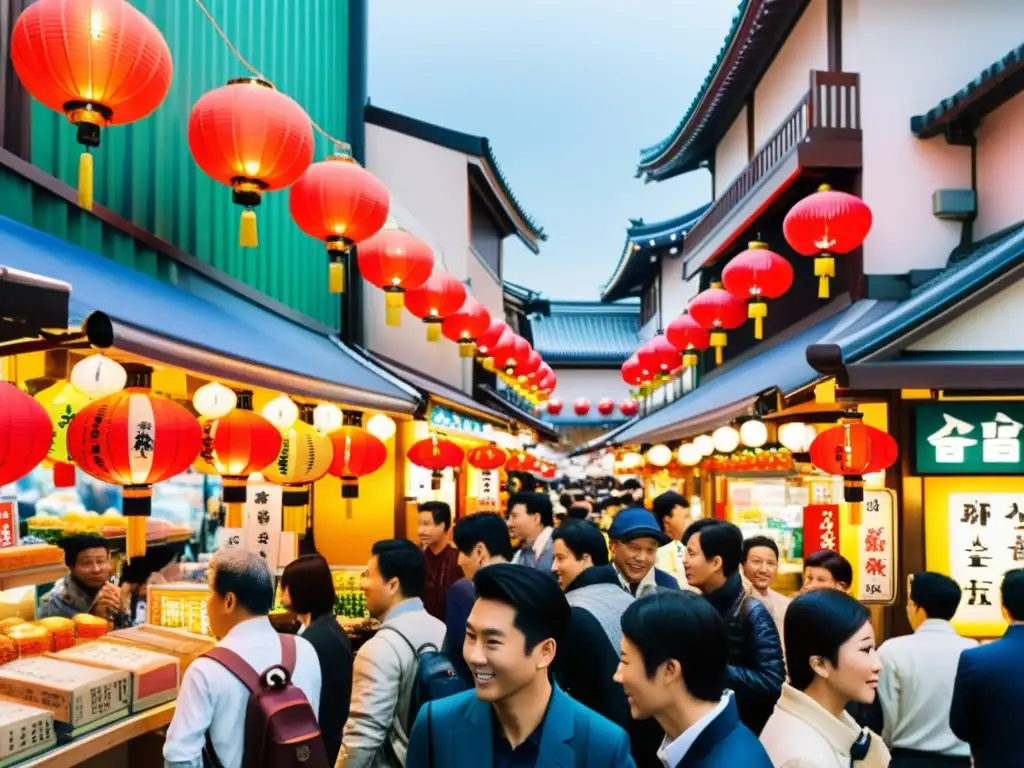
(212, 700)
(760, 567)
(672, 512)
(918, 673)
(674, 658)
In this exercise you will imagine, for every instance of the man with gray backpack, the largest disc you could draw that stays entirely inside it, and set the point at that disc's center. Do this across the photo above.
(398, 668)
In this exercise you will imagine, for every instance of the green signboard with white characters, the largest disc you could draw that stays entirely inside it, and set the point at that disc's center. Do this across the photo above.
(969, 438)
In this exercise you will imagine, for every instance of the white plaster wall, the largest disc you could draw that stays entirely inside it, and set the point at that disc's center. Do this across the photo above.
(911, 54)
(996, 325)
(731, 154)
(430, 185)
(591, 383)
(675, 292)
(1001, 169)
(484, 287)
(789, 76)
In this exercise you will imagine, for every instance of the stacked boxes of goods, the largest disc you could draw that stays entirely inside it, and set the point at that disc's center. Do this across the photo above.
(25, 731)
(154, 676)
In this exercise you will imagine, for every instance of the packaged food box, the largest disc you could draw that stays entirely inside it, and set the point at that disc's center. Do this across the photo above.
(185, 646)
(76, 694)
(24, 730)
(30, 556)
(30, 639)
(62, 631)
(89, 627)
(155, 676)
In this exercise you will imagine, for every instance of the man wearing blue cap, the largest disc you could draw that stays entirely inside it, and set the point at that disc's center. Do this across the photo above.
(635, 538)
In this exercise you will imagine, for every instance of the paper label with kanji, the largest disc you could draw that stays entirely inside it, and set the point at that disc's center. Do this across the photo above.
(487, 490)
(8, 523)
(876, 577)
(262, 521)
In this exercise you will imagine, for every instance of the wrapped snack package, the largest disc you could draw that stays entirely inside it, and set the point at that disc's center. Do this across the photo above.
(31, 639)
(62, 631)
(89, 627)
(8, 650)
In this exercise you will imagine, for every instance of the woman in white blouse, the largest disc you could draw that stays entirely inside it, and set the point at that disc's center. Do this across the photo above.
(831, 657)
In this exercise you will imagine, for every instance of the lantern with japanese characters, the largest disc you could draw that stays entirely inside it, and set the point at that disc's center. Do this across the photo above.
(486, 457)
(686, 334)
(134, 438)
(440, 296)
(26, 433)
(99, 63)
(754, 275)
(235, 446)
(395, 262)
(718, 311)
(304, 458)
(436, 454)
(357, 454)
(61, 401)
(853, 449)
(467, 325)
(824, 224)
(340, 202)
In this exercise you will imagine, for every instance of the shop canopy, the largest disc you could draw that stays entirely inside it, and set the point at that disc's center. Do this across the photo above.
(732, 391)
(205, 329)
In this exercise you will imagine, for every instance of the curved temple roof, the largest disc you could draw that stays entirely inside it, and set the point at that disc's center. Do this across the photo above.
(582, 333)
(643, 240)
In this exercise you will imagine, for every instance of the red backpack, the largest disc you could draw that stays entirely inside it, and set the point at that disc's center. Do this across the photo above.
(281, 730)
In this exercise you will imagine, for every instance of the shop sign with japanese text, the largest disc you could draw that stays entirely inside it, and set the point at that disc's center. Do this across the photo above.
(488, 488)
(8, 523)
(876, 570)
(821, 528)
(975, 438)
(263, 517)
(986, 539)
(445, 418)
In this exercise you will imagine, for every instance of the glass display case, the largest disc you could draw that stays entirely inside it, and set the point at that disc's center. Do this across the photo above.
(178, 606)
(350, 603)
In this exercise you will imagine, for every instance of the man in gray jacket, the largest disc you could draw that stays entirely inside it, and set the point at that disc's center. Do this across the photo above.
(377, 732)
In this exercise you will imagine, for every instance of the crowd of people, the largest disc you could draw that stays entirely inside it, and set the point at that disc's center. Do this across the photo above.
(657, 640)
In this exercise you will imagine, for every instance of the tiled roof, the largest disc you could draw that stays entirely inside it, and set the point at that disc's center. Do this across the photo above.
(757, 31)
(475, 146)
(992, 88)
(644, 241)
(579, 333)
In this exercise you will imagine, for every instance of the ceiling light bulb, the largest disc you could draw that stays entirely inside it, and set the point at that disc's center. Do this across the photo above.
(214, 400)
(282, 412)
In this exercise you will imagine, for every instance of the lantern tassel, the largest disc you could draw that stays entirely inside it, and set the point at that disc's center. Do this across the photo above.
(718, 341)
(466, 348)
(433, 331)
(690, 359)
(85, 181)
(336, 276)
(757, 311)
(488, 363)
(233, 515)
(393, 303)
(824, 268)
(136, 543)
(247, 233)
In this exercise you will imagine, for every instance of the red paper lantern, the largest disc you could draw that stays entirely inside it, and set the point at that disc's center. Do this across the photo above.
(825, 223)
(716, 310)
(440, 296)
(541, 375)
(357, 453)
(395, 261)
(581, 406)
(629, 407)
(754, 275)
(554, 406)
(685, 334)
(853, 449)
(134, 439)
(99, 63)
(341, 203)
(252, 138)
(467, 325)
(510, 351)
(489, 338)
(632, 372)
(25, 433)
(436, 454)
(548, 384)
(606, 406)
(486, 457)
(528, 367)
(235, 446)
(547, 471)
(659, 358)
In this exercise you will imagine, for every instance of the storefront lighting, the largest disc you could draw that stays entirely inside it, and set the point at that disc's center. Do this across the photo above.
(214, 400)
(381, 426)
(726, 439)
(689, 455)
(659, 455)
(327, 418)
(526, 437)
(753, 433)
(98, 376)
(282, 412)
(797, 436)
(631, 460)
(705, 444)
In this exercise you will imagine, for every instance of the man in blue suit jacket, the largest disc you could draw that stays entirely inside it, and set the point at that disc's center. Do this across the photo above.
(988, 696)
(675, 652)
(515, 716)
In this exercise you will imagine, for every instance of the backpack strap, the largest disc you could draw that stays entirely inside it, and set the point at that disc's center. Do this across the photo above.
(288, 654)
(237, 666)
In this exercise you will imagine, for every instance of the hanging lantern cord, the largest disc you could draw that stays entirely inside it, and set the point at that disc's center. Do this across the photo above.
(88, 119)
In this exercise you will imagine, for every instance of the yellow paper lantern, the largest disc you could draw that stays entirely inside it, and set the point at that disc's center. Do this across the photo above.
(61, 402)
(304, 458)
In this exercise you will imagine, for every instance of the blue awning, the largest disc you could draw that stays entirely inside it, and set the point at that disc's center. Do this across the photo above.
(204, 328)
(729, 393)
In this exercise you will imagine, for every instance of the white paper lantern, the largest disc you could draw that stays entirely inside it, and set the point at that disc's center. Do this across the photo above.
(704, 444)
(631, 460)
(282, 412)
(327, 418)
(659, 455)
(381, 426)
(98, 376)
(726, 439)
(214, 400)
(689, 455)
(753, 433)
(797, 436)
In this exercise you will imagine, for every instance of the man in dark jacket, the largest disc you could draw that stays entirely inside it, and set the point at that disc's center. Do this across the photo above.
(674, 661)
(756, 670)
(635, 538)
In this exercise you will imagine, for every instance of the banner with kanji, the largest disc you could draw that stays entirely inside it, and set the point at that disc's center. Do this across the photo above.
(263, 517)
(821, 528)
(876, 564)
(8, 522)
(488, 488)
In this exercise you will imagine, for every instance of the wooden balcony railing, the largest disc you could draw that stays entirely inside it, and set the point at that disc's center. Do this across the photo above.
(829, 111)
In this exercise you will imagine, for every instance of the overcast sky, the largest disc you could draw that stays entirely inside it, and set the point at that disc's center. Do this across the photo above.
(568, 91)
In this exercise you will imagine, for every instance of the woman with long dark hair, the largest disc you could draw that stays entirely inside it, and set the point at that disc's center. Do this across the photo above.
(832, 660)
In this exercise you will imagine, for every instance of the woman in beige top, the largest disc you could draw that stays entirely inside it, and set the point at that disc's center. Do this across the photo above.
(831, 657)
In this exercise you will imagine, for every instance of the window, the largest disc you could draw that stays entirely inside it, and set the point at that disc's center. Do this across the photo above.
(484, 235)
(650, 303)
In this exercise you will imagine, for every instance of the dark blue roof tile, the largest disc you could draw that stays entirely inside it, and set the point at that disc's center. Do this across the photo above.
(587, 332)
